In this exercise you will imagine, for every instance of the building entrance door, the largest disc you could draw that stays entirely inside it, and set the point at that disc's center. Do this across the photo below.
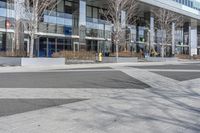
(92, 45)
(51, 46)
(182, 50)
(198, 51)
(76, 46)
(2, 41)
(26, 46)
(43, 47)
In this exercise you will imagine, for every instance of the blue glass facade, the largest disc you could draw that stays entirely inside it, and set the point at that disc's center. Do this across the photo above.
(77, 24)
(6, 21)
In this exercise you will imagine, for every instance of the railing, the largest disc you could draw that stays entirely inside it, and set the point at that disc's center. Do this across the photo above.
(98, 28)
(58, 18)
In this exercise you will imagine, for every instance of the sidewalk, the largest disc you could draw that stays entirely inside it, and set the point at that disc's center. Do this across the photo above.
(169, 106)
(74, 66)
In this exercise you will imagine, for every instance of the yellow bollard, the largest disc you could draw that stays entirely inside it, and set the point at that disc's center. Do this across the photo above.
(100, 57)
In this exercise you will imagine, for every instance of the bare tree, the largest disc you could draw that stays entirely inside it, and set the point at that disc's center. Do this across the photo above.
(119, 13)
(34, 11)
(15, 24)
(164, 19)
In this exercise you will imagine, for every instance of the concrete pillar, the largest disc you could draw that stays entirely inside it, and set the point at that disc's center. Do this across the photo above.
(152, 32)
(19, 29)
(82, 23)
(47, 45)
(123, 24)
(173, 39)
(193, 37)
(56, 45)
(37, 47)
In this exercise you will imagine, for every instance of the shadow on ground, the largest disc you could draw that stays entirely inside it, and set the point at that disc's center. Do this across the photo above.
(152, 112)
(16, 106)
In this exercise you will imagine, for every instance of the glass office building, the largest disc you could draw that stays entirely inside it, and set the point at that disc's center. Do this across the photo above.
(195, 4)
(76, 25)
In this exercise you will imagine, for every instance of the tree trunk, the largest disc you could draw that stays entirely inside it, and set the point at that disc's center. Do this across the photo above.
(13, 45)
(117, 52)
(162, 47)
(162, 51)
(31, 47)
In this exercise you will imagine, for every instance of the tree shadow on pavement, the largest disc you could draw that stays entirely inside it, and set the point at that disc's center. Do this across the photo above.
(156, 109)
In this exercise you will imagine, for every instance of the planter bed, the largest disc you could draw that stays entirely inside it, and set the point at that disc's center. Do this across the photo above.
(12, 61)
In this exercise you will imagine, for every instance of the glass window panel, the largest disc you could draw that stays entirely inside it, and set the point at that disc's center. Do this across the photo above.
(89, 11)
(95, 13)
(60, 6)
(43, 47)
(2, 22)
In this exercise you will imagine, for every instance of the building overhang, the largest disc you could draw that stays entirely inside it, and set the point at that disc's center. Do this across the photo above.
(175, 7)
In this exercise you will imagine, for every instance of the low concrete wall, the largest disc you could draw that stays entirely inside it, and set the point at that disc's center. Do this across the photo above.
(10, 61)
(42, 61)
(79, 61)
(109, 60)
(120, 59)
(160, 59)
(127, 60)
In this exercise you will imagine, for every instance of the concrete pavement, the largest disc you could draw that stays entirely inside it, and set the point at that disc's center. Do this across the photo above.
(168, 105)
(71, 79)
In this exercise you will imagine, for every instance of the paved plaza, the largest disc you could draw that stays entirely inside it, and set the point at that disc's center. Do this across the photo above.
(101, 98)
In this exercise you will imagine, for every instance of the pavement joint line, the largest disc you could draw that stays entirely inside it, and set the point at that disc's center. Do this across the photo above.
(47, 71)
(172, 70)
(61, 93)
(74, 88)
(93, 70)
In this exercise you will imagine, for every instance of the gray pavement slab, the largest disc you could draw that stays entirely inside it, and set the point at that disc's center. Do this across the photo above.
(197, 63)
(176, 67)
(108, 79)
(90, 68)
(16, 106)
(180, 76)
(170, 106)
